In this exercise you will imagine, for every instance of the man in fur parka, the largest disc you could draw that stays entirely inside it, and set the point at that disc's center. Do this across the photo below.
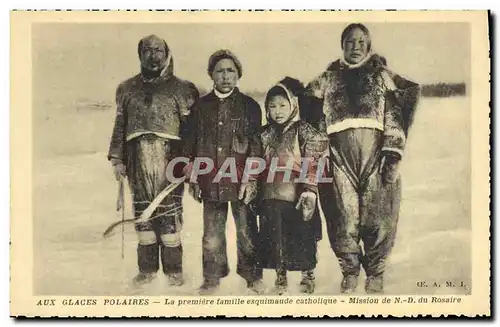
(152, 108)
(366, 111)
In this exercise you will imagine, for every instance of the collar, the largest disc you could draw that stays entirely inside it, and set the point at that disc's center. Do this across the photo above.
(359, 64)
(221, 95)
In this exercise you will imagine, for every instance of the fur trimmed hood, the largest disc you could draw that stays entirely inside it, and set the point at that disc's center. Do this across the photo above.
(373, 62)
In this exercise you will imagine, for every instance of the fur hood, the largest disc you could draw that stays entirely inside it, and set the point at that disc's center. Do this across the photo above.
(167, 71)
(374, 62)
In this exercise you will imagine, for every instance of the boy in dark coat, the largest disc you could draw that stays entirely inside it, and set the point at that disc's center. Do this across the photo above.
(223, 128)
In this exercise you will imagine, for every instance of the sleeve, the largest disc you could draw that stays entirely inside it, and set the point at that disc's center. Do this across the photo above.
(188, 97)
(188, 118)
(255, 148)
(314, 149)
(254, 127)
(316, 88)
(400, 104)
(116, 152)
(186, 100)
(189, 137)
(311, 103)
(189, 133)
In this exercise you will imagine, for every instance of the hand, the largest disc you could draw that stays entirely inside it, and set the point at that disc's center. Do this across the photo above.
(389, 169)
(195, 191)
(307, 202)
(188, 170)
(248, 192)
(119, 170)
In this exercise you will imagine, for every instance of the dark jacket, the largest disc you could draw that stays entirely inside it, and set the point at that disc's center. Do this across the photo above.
(221, 129)
(159, 106)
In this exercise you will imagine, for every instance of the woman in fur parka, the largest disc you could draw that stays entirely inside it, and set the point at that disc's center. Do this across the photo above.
(366, 110)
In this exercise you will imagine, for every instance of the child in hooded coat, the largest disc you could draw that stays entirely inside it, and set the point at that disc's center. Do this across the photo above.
(290, 224)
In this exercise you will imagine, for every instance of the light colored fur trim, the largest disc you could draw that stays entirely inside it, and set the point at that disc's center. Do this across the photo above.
(396, 150)
(354, 123)
(359, 64)
(163, 135)
(171, 240)
(388, 81)
(146, 237)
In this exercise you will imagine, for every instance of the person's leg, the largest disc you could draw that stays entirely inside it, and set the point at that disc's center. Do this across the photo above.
(307, 283)
(298, 238)
(340, 204)
(147, 254)
(169, 229)
(147, 158)
(247, 240)
(281, 282)
(215, 264)
(379, 220)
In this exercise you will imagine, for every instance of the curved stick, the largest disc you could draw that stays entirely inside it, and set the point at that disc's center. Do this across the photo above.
(146, 214)
(120, 206)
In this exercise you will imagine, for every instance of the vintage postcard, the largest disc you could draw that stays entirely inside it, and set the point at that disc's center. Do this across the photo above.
(250, 163)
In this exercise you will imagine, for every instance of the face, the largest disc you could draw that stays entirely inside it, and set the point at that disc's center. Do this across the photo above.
(279, 109)
(225, 75)
(153, 54)
(356, 46)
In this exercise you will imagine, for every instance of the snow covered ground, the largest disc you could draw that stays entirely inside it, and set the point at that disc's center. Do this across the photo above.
(75, 194)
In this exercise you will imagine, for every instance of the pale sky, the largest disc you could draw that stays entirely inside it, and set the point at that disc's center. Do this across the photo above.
(87, 61)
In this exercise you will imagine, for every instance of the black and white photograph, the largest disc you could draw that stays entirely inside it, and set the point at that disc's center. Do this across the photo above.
(313, 160)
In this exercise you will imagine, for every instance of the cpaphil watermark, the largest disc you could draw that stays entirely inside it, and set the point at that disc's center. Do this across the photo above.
(309, 170)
